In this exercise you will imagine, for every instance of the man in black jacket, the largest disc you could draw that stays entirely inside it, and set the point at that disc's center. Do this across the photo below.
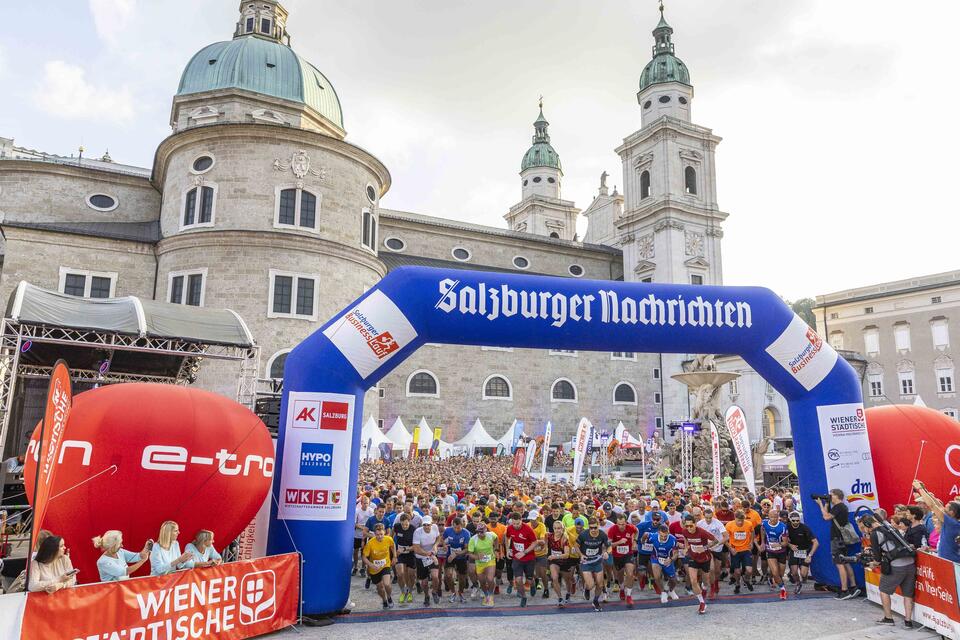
(888, 548)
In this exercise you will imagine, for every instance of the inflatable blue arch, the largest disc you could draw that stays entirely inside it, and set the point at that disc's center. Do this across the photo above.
(326, 375)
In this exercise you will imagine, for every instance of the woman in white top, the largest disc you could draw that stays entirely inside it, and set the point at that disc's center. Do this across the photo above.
(166, 557)
(51, 569)
(117, 563)
(204, 555)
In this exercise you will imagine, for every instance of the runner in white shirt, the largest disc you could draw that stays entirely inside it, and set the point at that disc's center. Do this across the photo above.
(719, 531)
(364, 513)
(425, 550)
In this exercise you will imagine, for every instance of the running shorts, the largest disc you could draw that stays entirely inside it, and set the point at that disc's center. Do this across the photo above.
(779, 556)
(796, 561)
(358, 543)
(622, 561)
(407, 560)
(643, 560)
(541, 561)
(719, 555)
(423, 572)
(742, 560)
(523, 569)
(377, 578)
(668, 569)
(702, 566)
(460, 564)
(592, 567)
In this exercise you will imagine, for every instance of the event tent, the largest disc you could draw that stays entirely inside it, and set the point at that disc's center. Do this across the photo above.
(372, 435)
(626, 439)
(399, 436)
(477, 437)
(507, 438)
(425, 440)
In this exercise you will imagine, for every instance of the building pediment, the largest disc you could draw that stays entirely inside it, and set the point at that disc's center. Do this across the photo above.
(698, 261)
(644, 267)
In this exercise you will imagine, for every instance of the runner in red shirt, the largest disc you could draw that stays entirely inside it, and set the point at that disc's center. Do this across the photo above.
(521, 541)
(623, 541)
(677, 531)
(697, 543)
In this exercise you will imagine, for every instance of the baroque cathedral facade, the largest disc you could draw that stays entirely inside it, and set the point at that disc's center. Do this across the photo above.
(257, 202)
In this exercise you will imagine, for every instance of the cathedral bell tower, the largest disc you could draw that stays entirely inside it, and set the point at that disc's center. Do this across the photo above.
(540, 210)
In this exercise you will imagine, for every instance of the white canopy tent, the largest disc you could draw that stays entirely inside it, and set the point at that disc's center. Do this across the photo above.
(477, 437)
(507, 438)
(370, 440)
(399, 436)
(425, 440)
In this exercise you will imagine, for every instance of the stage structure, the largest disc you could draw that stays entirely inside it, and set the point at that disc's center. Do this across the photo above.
(113, 340)
(326, 376)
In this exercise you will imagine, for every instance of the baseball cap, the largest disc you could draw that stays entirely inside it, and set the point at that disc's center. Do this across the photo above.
(427, 520)
(443, 487)
(618, 509)
(795, 514)
(533, 515)
(461, 507)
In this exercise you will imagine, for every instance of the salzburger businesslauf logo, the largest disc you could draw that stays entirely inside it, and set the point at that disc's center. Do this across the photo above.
(803, 353)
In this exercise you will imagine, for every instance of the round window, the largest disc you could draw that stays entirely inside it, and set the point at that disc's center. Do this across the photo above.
(102, 202)
(525, 182)
(646, 105)
(461, 254)
(395, 244)
(202, 163)
(537, 179)
(682, 100)
(371, 193)
(575, 270)
(551, 180)
(664, 99)
(520, 262)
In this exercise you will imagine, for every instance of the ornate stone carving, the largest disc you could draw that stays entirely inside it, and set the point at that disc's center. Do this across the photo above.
(714, 232)
(645, 247)
(626, 238)
(693, 243)
(690, 155)
(669, 223)
(643, 161)
(198, 181)
(299, 165)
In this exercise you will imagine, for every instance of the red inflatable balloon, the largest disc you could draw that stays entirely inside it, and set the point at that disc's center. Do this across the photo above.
(907, 440)
(135, 455)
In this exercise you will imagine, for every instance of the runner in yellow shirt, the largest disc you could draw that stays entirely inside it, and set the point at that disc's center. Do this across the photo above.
(379, 554)
(540, 552)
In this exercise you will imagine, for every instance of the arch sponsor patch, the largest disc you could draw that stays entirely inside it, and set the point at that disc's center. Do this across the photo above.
(803, 353)
(370, 333)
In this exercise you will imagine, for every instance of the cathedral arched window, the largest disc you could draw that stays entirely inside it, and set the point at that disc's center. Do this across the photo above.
(369, 231)
(563, 391)
(296, 208)
(198, 206)
(422, 383)
(644, 185)
(690, 180)
(624, 393)
(497, 387)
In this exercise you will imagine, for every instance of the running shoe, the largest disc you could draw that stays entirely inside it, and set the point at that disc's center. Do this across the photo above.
(426, 601)
(586, 594)
(523, 601)
(783, 592)
(559, 603)
(596, 605)
(623, 594)
(749, 586)
(630, 602)
(546, 592)
(689, 592)
(461, 599)
(885, 621)
(798, 588)
(736, 589)
(366, 583)
(385, 605)
(509, 588)
(663, 597)
(473, 593)
(702, 608)
(673, 595)
(856, 591)
(390, 603)
(354, 572)
(496, 590)
(452, 599)
(566, 598)
(605, 597)
(436, 598)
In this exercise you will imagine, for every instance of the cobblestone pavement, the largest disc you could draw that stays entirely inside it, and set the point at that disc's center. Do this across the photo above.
(812, 615)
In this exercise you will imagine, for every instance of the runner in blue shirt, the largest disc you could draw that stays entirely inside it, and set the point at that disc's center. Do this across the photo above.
(456, 539)
(775, 540)
(645, 548)
(664, 553)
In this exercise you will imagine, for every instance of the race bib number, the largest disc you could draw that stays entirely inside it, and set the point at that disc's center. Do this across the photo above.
(800, 553)
(697, 548)
(519, 547)
(647, 546)
(379, 564)
(426, 561)
(403, 550)
(485, 558)
(555, 553)
(592, 552)
(773, 546)
(739, 535)
(662, 561)
(623, 549)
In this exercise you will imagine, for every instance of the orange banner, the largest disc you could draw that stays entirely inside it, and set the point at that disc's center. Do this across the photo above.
(936, 603)
(59, 401)
(229, 602)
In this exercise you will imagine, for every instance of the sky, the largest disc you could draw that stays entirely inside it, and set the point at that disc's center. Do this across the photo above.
(838, 152)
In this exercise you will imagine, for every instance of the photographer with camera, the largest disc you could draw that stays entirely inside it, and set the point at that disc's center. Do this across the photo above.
(898, 568)
(842, 539)
(948, 546)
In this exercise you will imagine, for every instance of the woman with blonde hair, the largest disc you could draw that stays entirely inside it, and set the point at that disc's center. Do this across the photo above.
(202, 551)
(166, 557)
(117, 563)
(51, 569)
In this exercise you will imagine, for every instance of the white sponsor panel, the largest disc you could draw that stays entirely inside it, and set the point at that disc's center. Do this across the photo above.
(531, 454)
(580, 448)
(371, 333)
(737, 426)
(715, 446)
(846, 448)
(803, 353)
(318, 438)
(546, 447)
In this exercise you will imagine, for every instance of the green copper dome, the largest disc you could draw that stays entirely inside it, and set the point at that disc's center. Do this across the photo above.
(541, 154)
(665, 66)
(261, 66)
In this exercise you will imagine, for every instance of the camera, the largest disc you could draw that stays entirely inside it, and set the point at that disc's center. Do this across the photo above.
(819, 496)
(866, 557)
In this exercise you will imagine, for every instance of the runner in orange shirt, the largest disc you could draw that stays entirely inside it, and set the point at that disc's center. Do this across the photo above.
(740, 544)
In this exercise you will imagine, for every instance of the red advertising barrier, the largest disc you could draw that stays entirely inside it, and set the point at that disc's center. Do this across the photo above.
(228, 602)
(518, 459)
(936, 604)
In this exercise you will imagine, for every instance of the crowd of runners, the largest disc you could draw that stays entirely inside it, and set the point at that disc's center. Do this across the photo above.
(466, 529)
